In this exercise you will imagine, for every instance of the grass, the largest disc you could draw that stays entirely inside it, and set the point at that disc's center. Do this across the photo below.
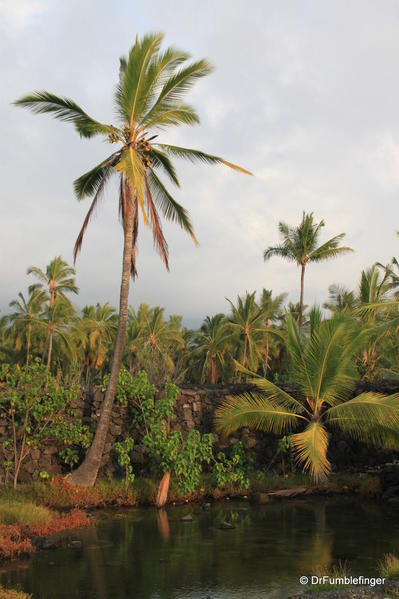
(388, 567)
(57, 494)
(25, 513)
(13, 594)
(340, 570)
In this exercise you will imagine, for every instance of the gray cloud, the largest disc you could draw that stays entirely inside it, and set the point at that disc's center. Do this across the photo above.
(305, 94)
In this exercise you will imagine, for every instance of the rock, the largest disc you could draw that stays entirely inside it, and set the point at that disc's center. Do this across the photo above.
(206, 506)
(260, 498)
(187, 518)
(226, 526)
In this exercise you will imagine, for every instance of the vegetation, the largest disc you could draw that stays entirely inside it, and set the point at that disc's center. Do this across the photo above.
(148, 99)
(300, 245)
(323, 366)
(36, 409)
(389, 566)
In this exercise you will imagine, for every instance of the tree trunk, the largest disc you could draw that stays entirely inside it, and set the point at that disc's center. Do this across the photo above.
(300, 317)
(163, 490)
(28, 333)
(50, 347)
(87, 472)
(267, 348)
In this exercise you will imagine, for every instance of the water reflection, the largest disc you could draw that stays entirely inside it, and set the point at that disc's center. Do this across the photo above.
(150, 555)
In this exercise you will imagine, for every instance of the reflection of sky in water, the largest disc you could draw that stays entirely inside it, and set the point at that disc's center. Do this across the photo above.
(155, 555)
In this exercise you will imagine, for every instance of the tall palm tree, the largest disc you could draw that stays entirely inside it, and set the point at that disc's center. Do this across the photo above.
(247, 320)
(324, 369)
(148, 99)
(26, 314)
(211, 345)
(57, 280)
(300, 245)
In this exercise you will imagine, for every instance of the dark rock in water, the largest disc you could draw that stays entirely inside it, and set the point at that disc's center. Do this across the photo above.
(187, 518)
(260, 498)
(206, 506)
(389, 480)
(45, 543)
(226, 526)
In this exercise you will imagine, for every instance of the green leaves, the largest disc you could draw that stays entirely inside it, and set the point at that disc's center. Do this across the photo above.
(63, 109)
(196, 156)
(311, 448)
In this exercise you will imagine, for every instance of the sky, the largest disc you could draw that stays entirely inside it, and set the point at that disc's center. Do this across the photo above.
(305, 94)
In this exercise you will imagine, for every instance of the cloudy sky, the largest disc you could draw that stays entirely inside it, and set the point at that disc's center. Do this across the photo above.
(305, 94)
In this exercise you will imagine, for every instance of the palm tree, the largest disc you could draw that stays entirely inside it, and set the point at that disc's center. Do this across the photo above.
(211, 345)
(324, 369)
(56, 321)
(26, 314)
(300, 245)
(58, 280)
(148, 99)
(155, 341)
(376, 308)
(272, 309)
(247, 320)
(339, 299)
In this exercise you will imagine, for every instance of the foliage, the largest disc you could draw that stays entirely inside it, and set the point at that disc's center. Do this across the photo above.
(34, 406)
(123, 449)
(389, 566)
(323, 366)
(24, 512)
(231, 471)
(167, 449)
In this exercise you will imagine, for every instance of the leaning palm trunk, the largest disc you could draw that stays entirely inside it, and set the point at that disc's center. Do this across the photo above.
(163, 489)
(87, 472)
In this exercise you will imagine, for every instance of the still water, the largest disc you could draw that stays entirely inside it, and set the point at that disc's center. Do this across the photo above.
(145, 554)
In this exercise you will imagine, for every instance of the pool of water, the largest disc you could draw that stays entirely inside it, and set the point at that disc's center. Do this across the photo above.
(145, 554)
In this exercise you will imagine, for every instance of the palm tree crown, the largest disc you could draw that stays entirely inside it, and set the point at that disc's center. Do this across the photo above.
(300, 245)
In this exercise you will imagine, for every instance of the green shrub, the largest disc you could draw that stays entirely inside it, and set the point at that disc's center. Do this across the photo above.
(231, 471)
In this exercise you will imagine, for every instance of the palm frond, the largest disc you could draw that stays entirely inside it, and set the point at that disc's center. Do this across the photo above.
(169, 207)
(64, 109)
(368, 417)
(257, 412)
(88, 184)
(196, 156)
(311, 449)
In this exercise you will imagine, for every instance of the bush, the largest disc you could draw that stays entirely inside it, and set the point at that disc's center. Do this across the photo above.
(389, 566)
(231, 471)
(34, 406)
(13, 594)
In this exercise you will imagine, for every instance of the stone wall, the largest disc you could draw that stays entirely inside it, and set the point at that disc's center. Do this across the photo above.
(195, 408)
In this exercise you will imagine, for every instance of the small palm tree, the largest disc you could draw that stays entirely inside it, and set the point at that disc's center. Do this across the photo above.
(149, 99)
(339, 299)
(247, 321)
(272, 310)
(26, 315)
(156, 341)
(58, 280)
(56, 322)
(324, 369)
(300, 245)
(211, 345)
